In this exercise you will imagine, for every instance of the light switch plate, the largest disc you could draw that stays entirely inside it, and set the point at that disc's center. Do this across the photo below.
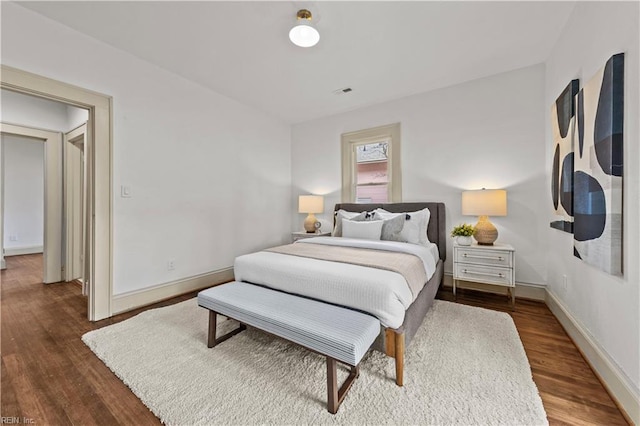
(125, 191)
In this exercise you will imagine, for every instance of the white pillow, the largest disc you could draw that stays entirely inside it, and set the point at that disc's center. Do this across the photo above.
(370, 230)
(415, 226)
(343, 214)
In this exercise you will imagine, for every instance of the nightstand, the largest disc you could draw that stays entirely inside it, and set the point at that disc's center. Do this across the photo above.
(299, 235)
(493, 265)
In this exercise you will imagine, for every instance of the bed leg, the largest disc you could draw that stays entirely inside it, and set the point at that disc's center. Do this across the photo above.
(399, 349)
(390, 342)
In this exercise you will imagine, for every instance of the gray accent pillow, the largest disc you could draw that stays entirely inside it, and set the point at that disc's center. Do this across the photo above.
(391, 228)
(337, 231)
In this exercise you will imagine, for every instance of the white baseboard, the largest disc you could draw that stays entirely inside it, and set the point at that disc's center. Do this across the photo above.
(614, 379)
(523, 290)
(138, 298)
(531, 291)
(3, 264)
(18, 251)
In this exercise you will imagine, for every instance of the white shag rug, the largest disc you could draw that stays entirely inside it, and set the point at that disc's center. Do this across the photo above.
(465, 365)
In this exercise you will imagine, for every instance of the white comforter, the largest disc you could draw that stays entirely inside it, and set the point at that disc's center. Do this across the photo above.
(382, 293)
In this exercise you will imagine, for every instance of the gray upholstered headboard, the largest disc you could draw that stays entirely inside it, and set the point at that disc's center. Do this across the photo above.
(436, 231)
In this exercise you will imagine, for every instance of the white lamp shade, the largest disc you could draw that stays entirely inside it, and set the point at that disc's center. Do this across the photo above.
(310, 204)
(304, 35)
(484, 202)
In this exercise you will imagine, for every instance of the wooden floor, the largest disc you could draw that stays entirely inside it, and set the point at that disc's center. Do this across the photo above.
(51, 378)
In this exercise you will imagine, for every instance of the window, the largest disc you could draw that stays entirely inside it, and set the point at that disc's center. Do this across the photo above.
(371, 165)
(372, 177)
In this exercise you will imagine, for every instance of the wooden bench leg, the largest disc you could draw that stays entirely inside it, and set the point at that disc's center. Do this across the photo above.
(332, 386)
(399, 356)
(213, 323)
(335, 396)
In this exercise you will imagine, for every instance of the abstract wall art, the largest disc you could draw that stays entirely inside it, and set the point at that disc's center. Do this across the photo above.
(563, 126)
(598, 167)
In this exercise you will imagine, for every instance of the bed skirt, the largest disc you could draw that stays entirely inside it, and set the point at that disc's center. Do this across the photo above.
(416, 311)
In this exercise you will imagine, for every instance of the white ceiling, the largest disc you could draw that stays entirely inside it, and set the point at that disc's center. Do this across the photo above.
(383, 50)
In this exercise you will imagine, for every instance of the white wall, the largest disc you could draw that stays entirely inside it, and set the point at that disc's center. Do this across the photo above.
(484, 133)
(23, 177)
(30, 111)
(210, 177)
(76, 117)
(607, 307)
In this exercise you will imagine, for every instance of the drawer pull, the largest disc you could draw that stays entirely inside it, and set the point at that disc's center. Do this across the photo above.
(488, 274)
(499, 258)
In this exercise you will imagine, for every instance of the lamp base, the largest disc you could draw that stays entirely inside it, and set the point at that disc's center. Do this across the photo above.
(486, 233)
(310, 223)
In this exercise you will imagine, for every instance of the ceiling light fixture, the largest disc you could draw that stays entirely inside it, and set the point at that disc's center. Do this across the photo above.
(303, 34)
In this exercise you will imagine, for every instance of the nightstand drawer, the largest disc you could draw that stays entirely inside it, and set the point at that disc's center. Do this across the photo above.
(486, 274)
(484, 257)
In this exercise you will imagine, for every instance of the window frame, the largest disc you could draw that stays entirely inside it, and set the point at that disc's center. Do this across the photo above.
(389, 133)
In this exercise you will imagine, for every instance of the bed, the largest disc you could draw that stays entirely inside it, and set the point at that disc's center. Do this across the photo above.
(275, 270)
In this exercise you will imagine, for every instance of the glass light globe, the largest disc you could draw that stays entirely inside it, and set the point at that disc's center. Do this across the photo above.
(304, 35)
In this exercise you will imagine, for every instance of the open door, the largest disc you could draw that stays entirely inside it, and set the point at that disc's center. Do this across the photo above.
(75, 204)
(52, 197)
(88, 220)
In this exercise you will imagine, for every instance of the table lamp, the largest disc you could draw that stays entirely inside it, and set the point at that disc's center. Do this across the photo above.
(485, 203)
(311, 204)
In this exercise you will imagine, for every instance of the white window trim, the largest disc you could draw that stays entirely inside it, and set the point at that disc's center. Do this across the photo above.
(390, 132)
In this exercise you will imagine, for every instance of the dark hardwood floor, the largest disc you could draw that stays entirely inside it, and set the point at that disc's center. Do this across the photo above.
(52, 378)
(570, 391)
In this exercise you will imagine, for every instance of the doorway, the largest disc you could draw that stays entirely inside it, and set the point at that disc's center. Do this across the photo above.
(52, 194)
(97, 154)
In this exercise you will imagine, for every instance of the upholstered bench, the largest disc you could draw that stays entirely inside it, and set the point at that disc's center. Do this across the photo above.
(338, 333)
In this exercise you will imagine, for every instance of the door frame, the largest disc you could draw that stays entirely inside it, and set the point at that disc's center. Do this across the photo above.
(52, 258)
(70, 180)
(98, 154)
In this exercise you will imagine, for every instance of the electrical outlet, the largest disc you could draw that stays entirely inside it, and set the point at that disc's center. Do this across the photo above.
(171, 265)
(564, 283)
(13, 238)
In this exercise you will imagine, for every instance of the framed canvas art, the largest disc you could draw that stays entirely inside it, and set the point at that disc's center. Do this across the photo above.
(598, 162)
(563, 127)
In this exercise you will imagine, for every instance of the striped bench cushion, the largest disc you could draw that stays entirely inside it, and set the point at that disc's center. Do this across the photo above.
(340, 333)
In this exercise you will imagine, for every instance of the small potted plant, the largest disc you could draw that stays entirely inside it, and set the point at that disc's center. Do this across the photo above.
(463, 233)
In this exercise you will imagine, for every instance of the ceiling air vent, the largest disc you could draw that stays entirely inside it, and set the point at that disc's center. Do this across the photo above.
(342, 91)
